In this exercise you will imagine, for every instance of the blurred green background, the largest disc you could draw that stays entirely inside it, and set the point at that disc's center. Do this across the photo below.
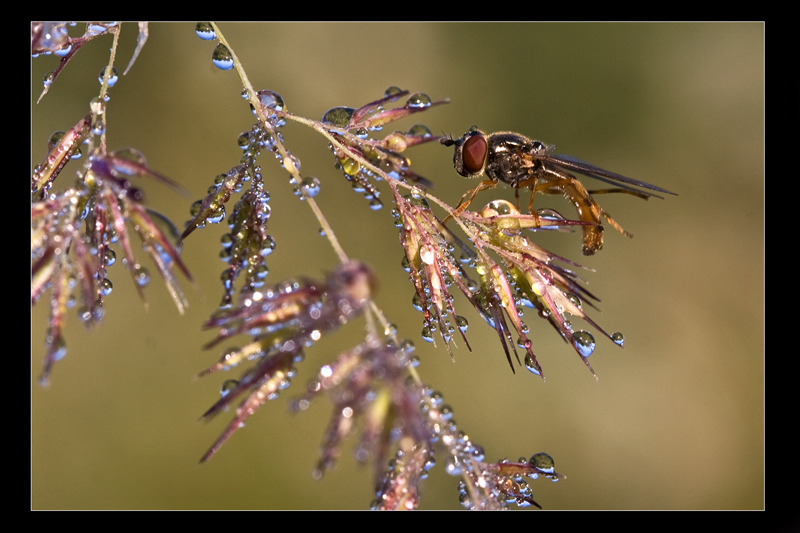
(676, 420)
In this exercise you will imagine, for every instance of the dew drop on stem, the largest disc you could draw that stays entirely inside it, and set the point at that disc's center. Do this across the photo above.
(48, 78)
(419, 100)
(270, 100)
(419, 130)
(221, 57)
(205, 31)
(584, 342)
(112, 75)
(217, 216)
(310, 186)
(141, 276)
(227, 387)
(106, 287)
(618, 338)
(543, 462)
(338, 116)
(391, 91)
(531, 365)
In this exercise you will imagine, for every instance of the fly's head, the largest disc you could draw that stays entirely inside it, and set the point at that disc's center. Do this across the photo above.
(471, 152)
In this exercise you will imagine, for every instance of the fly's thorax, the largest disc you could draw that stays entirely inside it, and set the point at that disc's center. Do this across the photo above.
(512, 158)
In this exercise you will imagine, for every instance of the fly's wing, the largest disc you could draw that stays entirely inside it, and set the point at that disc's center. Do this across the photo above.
(568, 162)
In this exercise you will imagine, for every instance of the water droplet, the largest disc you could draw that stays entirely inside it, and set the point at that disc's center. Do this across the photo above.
(128, 154)
(106, 287)
(391, 91)
(225, 278)
(462, 323)
(48, 78)
(445, 412)
(418, 100)
(452, 467)
(416, 303)
(419, 130)
(112, 75)
(227, 386)
(351, 167)
(396, 142)
(52, 34)
(141, 276)
(221, 57)
(261, 272)
(217, 215)
(375, 204)
(270, 100)
(338, 116)
(54, 138)
(244, 140)
(96, 29)
(310, 186)
(499, 208)
(617, 338)
(205, 31)
(584, 342)
(59, 349)
(427, 255)
(543, 462)
(195, 208)
(427, 336)
(575, 301)
(532, 365)
(290, 162)
(63, 51)
(97, 106)
(268, 246)
(98, 125)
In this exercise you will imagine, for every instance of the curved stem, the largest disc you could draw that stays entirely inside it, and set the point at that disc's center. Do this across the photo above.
(287, 160)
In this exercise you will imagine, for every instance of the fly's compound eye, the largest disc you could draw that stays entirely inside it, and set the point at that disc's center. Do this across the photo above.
(473, 154)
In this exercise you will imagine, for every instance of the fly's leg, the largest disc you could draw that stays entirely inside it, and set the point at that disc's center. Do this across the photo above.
(469, 196)
(530, 183)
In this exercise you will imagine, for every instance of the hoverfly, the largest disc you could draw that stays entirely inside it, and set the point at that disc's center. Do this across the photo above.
(525, 163)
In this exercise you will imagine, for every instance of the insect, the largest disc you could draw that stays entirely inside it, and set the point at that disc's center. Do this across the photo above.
(526, 163)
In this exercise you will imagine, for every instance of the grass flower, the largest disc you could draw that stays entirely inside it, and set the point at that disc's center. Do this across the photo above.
(458, 261)
(76, 233)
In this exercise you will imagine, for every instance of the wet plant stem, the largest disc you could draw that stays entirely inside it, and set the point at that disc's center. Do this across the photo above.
(254, 101)
(327, 229)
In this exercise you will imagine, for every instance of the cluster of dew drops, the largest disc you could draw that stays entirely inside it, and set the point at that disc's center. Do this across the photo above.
(309, 187)
(441, 415)
(141, 274)
(582, 340)
(464, 457)
(251, 142)
(58, 35)
(258, 138)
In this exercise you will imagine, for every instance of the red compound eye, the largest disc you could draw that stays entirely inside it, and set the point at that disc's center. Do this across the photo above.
(474, 153)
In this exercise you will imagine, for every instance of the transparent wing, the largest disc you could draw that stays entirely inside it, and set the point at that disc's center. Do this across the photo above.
(568, 162)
